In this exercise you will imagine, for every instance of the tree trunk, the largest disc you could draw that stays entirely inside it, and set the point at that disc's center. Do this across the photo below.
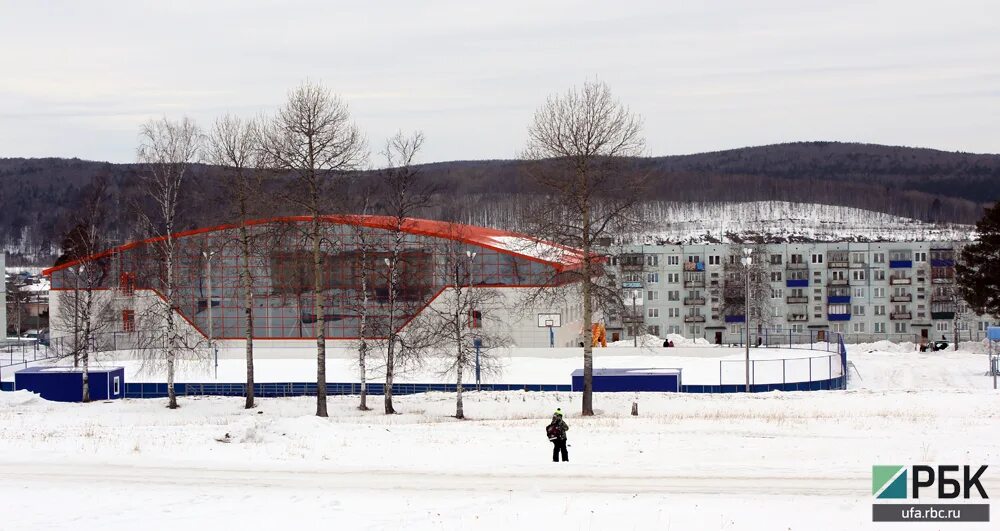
(389, 369)
(86, 350)
(320, 320)
(248, 312)
(171, 325)
(588, 317)
(459, 410)
(362, 354)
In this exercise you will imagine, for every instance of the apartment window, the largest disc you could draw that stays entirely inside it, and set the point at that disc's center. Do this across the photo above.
(879, 309)
(654, 330)
(775, 259)
(714, 260)
(795, 258)
(900, 328)
(674, 295)
(652, 260)
(817, 258)
(652, 295)
(652, 312)
(858, 258)
(942, 326)
(674, 329)
(859, 309)
(694, 259)
(475, 319)
(777, 293)
(673, 278)
(775, 276)
(673, 312)
(695, 330)
(858, 274)
(859, 327)
(880, 328)
(673, 260)
(631, 277)
(652, 278)
(878, 293)
(878, 274)
(920, 257)
(878, 258)
(838, 275)
(859, 292)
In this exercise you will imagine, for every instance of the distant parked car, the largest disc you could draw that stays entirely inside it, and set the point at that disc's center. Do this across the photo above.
(41, 336)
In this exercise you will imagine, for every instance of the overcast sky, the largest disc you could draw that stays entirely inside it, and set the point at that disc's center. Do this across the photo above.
(77, 78)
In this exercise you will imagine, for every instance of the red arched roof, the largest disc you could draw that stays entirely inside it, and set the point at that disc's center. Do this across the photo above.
(560, 257)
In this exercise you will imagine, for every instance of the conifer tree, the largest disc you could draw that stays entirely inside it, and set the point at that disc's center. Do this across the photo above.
(978, 271)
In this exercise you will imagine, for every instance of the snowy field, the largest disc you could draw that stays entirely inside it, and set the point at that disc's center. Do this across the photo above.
(765, 461)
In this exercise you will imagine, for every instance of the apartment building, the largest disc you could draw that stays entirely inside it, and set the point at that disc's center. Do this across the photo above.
(897, 290)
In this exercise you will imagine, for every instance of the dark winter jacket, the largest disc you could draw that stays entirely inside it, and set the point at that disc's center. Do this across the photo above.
(558, 421)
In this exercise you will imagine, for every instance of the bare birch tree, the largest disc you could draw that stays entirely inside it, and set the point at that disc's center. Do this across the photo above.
(166, 152)
(81, 310)
(234, 144)
(403, 195)
(466, 322)
(581, 144)
(313, 138)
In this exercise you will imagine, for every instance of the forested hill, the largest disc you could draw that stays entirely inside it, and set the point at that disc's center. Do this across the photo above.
(37, 194)
(920, 183)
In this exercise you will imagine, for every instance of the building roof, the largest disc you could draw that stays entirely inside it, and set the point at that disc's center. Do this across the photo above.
(560, 257)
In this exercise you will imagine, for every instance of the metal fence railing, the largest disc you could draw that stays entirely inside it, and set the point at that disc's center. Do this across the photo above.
(830, 367)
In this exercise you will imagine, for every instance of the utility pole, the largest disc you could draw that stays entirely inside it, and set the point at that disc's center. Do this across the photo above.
(747, 261)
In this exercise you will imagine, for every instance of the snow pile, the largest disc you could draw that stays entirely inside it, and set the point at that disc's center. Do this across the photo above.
(13, 399)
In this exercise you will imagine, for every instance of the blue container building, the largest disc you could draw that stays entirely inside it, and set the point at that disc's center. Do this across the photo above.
(65, 384)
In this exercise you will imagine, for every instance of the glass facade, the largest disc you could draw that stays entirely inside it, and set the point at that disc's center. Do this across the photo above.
(283, 288)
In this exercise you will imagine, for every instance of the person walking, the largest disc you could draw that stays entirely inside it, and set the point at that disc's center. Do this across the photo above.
(556, 431)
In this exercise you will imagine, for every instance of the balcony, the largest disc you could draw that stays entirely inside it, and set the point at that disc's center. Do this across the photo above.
(797, 282)
(694, 283)
(941, 298)
(859, 265)
(942, 280)
(797, 300)
(900, 316)
(900, 264)
(839, 299)
(839, 264)
(694, 301)
(900, 281)
(943, 315)
(837, 282)
(942, 262)
(838, 317)
(630, 267)
(796, 266)
(694, 318)
(735, 319)
(901, 298)
(797, 317)
(694, 266)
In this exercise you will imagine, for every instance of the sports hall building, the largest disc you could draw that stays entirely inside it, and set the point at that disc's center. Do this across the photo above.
(355, 253)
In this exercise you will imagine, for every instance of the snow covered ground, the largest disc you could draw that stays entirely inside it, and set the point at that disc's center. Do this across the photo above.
(764, 461)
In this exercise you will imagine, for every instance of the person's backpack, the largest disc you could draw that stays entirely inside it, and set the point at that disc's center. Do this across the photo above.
(554, 431)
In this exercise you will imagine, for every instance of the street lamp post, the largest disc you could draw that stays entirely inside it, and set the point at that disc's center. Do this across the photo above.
(477, 343)
(635, 333)
(211, 331)
(747, 261)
